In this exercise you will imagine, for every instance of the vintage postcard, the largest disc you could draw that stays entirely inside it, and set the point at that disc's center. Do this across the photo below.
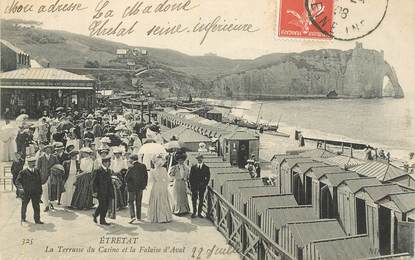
(207, 129)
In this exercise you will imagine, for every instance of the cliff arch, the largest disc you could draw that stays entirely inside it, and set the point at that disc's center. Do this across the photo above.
(390, 73)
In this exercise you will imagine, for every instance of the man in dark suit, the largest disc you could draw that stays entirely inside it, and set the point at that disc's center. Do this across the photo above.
(198, 180)
(30, 188)
(103, 190)
(136, 179)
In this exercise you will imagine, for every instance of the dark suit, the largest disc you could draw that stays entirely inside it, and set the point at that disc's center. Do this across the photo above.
(31, 184)
(102, 185)
(136, 179)
(198, 180)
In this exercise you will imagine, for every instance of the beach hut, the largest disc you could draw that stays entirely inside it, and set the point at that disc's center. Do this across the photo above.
(231, 187)
(312, 184)
(217, 170)
(294, 236)
(286, 172)
(341, 248)
(297, 178)
(343, 161)
(275, 218)
(352, 210)
(257, 205)
(328, 192)
(189, 138)
(371, 195)
(385, 172)
(276, 161)
(219, 179)
(238, 146)
(397, 211)
(245, 193)
(218, 164)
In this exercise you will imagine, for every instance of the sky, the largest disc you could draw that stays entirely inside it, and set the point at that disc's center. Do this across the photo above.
(395, 35)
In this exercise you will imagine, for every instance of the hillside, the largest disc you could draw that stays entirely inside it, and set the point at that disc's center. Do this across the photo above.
(358, 72)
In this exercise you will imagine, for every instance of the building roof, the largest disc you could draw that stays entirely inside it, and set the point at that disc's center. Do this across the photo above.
(304, 166)
(43, 74)
(317, 153)
(219, 179)
(214, 111)
(338, 177)
(263, 202)
(405, 201)
(185, 135)
(380, 191)
(240, 135)
(218, 164)
(283, 215)
(358, 183)
(343, 161)
(320, 171)
(12, 47)
(382, 171)
(293, 161)
(345, 248)
(306, 231)
(233, 186)
(280, 157)
(248, 192)
(226, 170)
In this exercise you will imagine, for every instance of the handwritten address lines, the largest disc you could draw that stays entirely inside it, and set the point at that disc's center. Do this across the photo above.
(105, 23)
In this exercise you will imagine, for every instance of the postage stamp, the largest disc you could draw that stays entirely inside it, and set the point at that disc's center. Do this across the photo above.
(343, 20)
(295, 22)
(351, 19)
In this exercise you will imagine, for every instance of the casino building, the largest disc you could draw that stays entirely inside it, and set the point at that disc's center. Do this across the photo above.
(33, 90)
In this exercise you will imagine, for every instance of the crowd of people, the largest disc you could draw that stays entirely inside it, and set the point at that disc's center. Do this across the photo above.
(98, 160)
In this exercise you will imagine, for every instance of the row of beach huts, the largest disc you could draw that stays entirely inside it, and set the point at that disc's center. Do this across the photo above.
(320, 205)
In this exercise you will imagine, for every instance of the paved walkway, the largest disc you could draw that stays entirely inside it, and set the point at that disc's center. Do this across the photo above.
(73, 235)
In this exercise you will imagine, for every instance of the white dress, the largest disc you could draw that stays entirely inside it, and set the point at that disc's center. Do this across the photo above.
(159, 210)
(69, 185)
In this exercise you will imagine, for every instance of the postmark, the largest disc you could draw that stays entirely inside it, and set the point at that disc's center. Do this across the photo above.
(351, 19)
(294, 19)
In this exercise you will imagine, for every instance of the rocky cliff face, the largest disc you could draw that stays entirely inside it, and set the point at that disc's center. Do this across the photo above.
(357, 73)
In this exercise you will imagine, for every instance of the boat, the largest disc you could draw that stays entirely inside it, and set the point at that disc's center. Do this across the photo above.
(276, 133)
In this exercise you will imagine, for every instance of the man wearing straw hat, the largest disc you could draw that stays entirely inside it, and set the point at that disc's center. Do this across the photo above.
(30, 189)
(44, 163)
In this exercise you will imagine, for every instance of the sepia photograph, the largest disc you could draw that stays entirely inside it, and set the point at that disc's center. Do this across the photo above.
(215, 129)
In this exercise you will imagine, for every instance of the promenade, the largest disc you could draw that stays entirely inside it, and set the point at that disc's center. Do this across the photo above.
(72, 234)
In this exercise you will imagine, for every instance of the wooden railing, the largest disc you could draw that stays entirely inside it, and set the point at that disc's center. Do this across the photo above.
(241, 233)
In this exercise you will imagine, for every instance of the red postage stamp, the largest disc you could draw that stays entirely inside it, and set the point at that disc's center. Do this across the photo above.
(295, 22)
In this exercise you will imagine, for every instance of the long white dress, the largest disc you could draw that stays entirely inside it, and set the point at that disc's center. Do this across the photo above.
(69, 185)
(159, 210)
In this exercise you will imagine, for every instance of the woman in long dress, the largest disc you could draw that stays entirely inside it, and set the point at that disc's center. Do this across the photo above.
(71, 170)
(180, 174)
(159, 210)
(82, 197)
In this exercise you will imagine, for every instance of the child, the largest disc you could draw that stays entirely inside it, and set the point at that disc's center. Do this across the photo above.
(17, 167)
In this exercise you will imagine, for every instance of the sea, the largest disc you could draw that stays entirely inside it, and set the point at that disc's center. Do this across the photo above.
(384, 123)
